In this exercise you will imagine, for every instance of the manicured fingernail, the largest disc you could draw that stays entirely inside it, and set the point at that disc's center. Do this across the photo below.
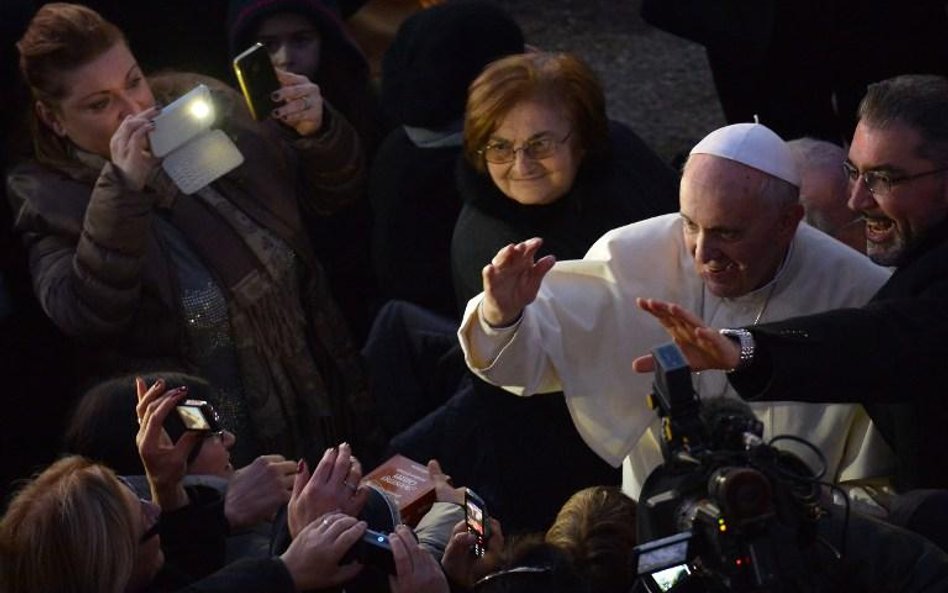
(275, 95)
(346, 445)
(275, 113)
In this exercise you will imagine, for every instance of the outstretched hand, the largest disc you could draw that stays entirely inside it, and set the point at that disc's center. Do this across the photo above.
(512, 280)
(704, 347)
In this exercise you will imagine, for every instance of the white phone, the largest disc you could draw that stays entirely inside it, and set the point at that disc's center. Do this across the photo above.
(183, 119)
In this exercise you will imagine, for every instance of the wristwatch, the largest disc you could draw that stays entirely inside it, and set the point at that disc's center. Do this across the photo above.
(745, 340)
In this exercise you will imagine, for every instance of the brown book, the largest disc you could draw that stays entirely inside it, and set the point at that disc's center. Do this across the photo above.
(407, 485)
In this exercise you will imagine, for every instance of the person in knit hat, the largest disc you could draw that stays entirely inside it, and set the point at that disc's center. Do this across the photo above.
(436, 54)
(307, 37)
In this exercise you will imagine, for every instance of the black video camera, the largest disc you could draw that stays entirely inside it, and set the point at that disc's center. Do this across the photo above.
(726, 511)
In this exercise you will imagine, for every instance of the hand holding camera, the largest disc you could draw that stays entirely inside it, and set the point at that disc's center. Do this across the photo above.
(129, 148)
(165, 460)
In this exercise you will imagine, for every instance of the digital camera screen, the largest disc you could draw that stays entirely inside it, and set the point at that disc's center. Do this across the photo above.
(193, 418)
(669, 577)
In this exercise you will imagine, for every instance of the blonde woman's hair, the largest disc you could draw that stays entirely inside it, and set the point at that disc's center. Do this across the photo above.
(596, 527)
(68, 530)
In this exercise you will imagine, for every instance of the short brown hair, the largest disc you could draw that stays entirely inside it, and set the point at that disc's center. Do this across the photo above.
(919, 101)
(61, 37)
(559, 79)
(596, 527)
(68, 530)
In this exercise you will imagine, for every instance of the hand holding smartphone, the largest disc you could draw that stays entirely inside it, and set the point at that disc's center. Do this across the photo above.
(478, 523)
(258, 80)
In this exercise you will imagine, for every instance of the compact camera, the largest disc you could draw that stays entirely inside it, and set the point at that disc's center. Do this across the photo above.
(194, 415)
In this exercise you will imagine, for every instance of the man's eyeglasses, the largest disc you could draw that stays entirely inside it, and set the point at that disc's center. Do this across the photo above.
(879, 183)
(151, 513)
(500, 153)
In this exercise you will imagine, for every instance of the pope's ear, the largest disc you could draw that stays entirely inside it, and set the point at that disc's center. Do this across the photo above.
(50, 119)
(793, 215)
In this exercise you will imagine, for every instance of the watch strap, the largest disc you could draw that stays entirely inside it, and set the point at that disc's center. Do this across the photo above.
(745, 340)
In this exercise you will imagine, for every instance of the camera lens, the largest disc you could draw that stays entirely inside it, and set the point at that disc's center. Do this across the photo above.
(742, 493)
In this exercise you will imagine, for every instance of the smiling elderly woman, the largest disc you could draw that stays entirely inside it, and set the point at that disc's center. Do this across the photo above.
(543, 160)
(222, 283)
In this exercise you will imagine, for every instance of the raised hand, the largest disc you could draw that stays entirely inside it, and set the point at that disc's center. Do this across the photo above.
(416, 571)
(314, 554)
(512, 280)
(333, 486)
(704, 347)
(303, 103)
(165, 462)
(257, 491)
(129, 148)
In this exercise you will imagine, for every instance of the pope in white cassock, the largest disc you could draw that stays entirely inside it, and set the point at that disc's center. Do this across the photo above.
(736, 253)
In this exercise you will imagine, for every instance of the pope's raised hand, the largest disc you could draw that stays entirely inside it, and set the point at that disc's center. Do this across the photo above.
(703, 346)
(512, 280)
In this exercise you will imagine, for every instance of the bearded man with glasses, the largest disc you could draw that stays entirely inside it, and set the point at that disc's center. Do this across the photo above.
(891, 354)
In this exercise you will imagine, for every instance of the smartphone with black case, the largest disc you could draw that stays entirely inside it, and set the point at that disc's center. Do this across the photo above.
(373, 549)
(258, 80)
(478, 523)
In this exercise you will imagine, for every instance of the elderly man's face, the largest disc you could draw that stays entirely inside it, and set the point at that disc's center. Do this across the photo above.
(896, 221)
(737, 236)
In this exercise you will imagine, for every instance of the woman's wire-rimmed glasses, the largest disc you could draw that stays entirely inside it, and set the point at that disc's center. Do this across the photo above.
(502, 152)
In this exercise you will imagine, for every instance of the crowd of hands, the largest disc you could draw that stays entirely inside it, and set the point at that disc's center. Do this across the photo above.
(322, 507)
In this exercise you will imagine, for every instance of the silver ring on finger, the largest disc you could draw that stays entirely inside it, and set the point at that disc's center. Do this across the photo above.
(305, 103)
(350, 486)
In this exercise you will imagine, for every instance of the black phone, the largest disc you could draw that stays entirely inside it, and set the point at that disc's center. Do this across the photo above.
(373, 549)
(192, 414)
(258, 80)
(478, 523)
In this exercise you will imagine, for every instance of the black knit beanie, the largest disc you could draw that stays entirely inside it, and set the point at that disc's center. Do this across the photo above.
(436, 55)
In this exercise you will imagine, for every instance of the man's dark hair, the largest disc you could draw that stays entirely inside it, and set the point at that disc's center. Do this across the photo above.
(916, 100)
